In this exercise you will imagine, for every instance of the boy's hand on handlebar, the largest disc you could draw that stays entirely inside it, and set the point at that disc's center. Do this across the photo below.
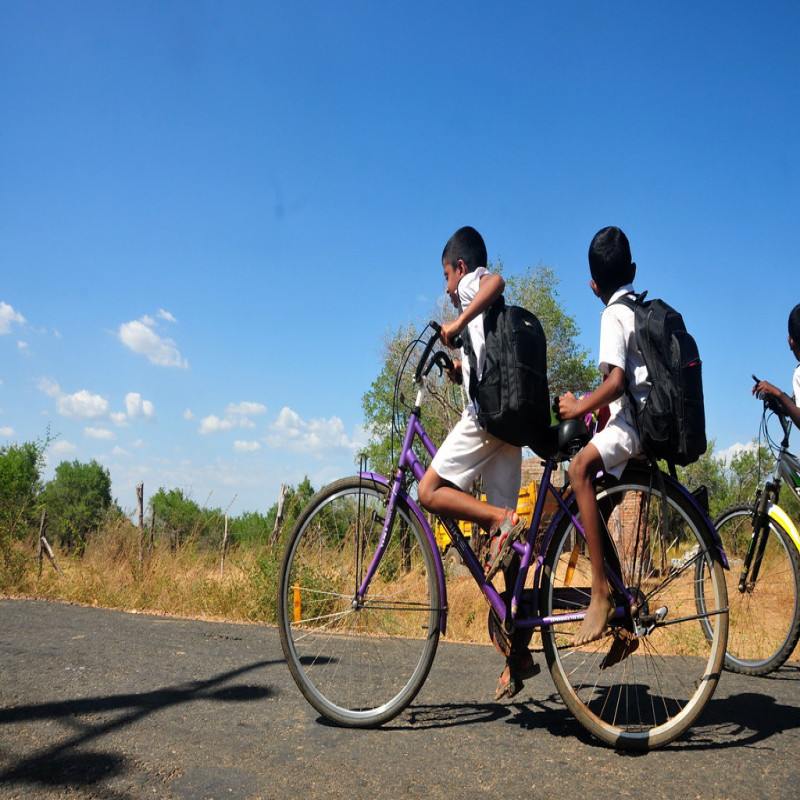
(450, 331)
(764, 389)
(568, 406)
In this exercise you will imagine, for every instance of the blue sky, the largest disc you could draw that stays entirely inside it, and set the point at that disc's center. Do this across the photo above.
(212, 212)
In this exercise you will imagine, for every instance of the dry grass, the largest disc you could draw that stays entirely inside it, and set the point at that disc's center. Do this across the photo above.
(189, 582)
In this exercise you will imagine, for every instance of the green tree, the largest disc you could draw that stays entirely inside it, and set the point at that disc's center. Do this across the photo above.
(180, 519)
(713, 473)
(77, 501)
(295, 500)
(20, 484)
(569, 366)
(248, 527)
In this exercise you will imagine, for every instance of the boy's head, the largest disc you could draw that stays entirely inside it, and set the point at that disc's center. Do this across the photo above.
(794, 330)
(464, 252)
(466, 245)
(610, 260)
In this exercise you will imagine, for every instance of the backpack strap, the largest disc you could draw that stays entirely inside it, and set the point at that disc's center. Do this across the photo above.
(470, 352)
(630, 299)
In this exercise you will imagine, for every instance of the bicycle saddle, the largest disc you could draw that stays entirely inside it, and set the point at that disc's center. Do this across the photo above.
(572, 436)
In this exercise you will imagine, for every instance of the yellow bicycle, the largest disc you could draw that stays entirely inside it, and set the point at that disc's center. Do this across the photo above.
(763, 549)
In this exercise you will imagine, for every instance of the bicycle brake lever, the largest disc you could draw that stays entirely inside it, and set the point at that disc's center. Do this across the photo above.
(441, 360)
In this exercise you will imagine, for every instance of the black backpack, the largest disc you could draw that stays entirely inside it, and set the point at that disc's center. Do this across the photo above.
(512, 394)
(672, 422)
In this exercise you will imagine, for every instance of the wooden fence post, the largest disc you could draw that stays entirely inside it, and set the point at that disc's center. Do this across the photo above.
(44, 546)
(279, 516)
(224, 547)
(140, 498)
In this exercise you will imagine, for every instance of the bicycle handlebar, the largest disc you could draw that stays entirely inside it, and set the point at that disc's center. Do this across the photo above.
(775, 407)
(770, 402)
(440, 358)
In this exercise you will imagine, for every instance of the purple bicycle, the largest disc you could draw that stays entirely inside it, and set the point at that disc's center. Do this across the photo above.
(362, 597)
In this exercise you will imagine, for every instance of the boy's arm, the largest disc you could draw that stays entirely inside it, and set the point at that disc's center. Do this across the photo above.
(763, 388)
(612, 388)
(490, 287)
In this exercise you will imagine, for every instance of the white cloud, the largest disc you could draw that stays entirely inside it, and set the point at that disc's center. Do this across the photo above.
(8, 317)
(80, 405)
(188, 414)
(140, 336)
(137, 408)
(119, 418)
(99, 433)
(6, 432)
(240, 446)
(118, 451)
(734, 450)
(316, 436)
(213, 424)
(236, 415)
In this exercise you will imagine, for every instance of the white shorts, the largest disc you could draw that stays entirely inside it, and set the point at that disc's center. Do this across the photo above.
(469, 451)
(617, 443)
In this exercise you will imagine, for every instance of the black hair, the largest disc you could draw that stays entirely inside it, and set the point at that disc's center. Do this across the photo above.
(794, 324)
(467, 245)
(610, 259)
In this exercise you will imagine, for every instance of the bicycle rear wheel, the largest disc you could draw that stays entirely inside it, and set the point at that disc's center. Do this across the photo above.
(765, 616)
(646, 681)
(359, 663)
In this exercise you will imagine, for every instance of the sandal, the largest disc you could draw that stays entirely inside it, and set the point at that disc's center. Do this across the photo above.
(520, 665)
(503, 537)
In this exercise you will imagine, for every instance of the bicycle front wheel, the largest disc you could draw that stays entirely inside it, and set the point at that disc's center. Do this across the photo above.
(765, 614)
(645, 682)
(358, 661)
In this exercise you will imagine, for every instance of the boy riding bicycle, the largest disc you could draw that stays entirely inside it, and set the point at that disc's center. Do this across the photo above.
(624, 377)
(764, 389)
(469, 450)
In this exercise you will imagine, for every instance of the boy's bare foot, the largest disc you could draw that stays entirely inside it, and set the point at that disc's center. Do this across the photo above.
(598, 615)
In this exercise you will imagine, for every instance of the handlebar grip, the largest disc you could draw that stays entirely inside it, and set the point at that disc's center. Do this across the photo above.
(456, 341)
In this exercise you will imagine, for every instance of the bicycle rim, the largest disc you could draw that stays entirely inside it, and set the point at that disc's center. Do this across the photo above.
(358, 664)
(765, 616)
(667, 668)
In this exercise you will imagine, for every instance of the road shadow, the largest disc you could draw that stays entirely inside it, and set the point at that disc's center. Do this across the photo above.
(742, 719)
(71, 763)
(529, 714)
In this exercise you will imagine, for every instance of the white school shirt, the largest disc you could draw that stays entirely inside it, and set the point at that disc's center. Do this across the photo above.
(618, 349)
(467, 289)
(796, 386)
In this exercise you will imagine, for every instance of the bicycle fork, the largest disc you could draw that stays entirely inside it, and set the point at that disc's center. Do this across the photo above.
(758, 541)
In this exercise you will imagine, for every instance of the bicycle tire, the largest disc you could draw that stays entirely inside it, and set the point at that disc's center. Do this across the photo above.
(358, 664)
(764, 625)
(656, 692)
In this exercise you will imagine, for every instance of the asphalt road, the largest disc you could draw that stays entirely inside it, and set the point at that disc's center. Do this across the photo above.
(104, 704)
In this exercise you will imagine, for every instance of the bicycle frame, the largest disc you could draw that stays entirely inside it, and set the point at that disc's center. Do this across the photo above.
(765, 507)
(787, 469)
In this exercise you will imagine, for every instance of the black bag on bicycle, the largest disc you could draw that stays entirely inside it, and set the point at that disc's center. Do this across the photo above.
(672, 422)
(512, 395)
